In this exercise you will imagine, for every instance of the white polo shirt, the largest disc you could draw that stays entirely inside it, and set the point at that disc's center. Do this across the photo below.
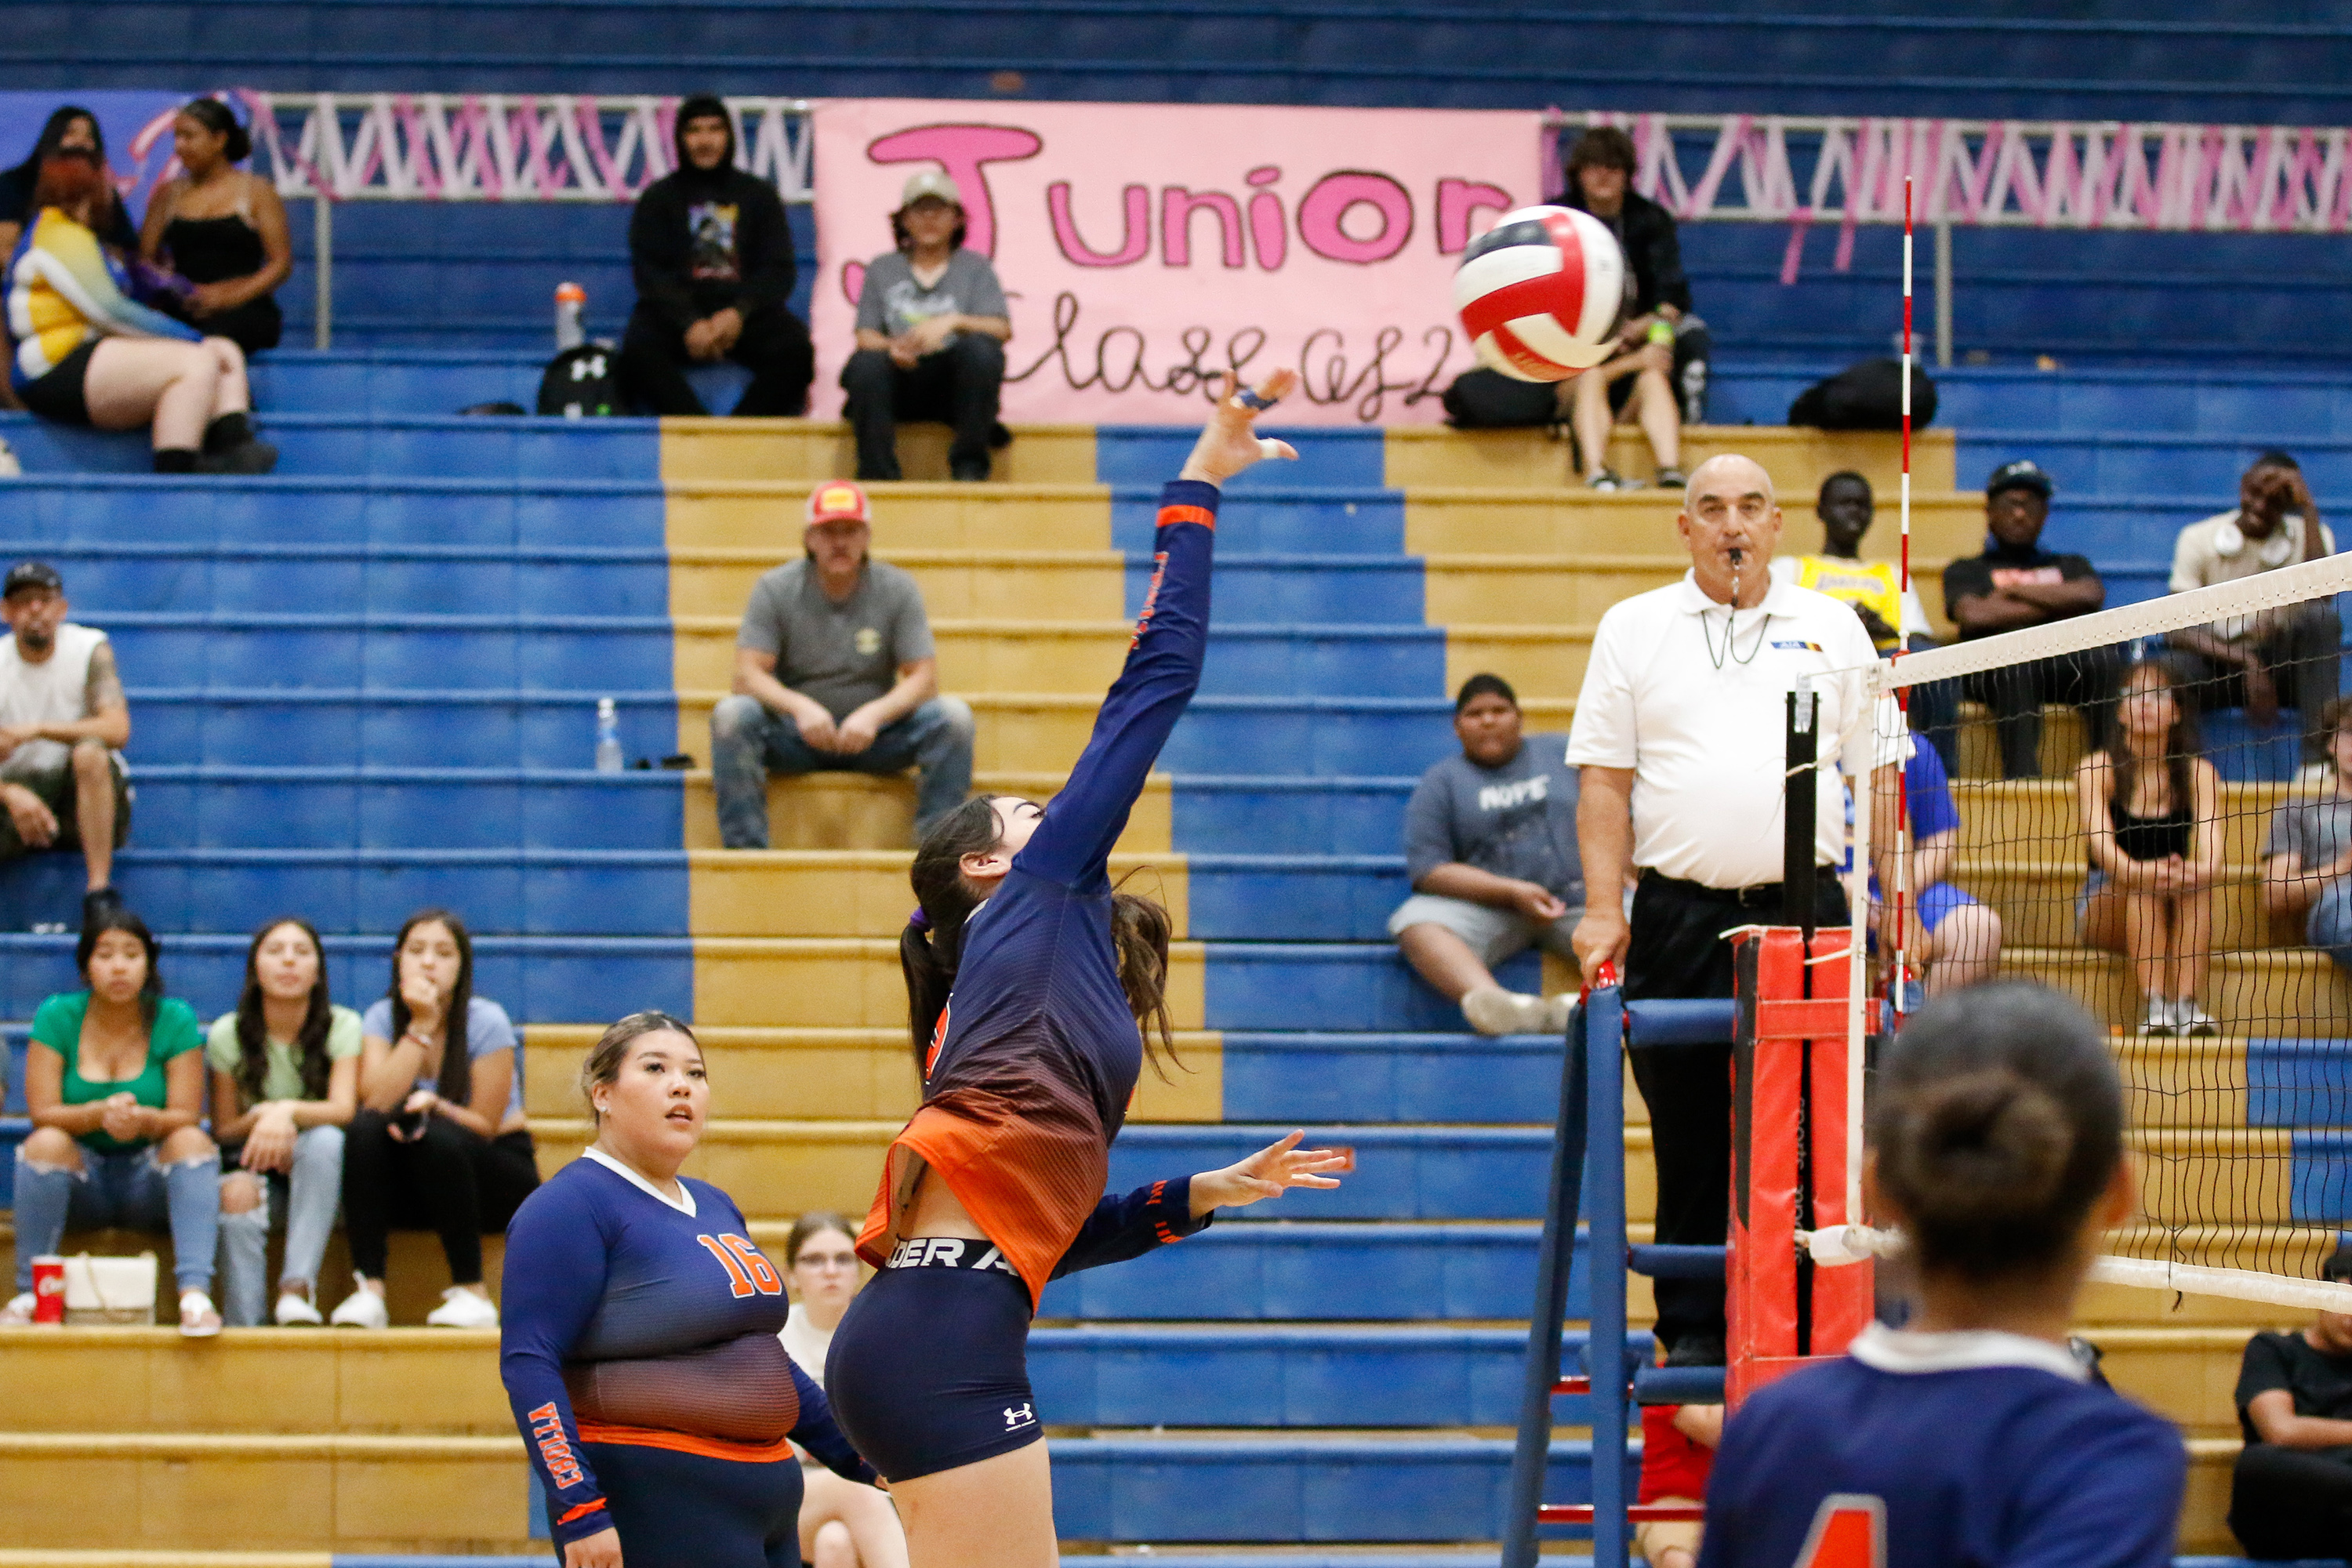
(1693, 699)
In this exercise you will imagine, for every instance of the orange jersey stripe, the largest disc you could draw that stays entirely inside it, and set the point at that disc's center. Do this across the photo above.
(583, 1511)
(1199, 514)
(688, 1443)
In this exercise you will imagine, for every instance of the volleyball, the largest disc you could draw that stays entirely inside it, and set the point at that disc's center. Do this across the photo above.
(1541, 292)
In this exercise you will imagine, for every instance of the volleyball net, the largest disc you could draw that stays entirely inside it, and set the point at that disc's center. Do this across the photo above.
(2146, 808)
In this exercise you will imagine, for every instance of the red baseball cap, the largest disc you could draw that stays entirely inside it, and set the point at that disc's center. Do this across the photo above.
(836, 500)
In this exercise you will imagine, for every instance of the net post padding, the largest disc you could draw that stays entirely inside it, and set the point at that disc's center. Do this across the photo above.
(1790, 1151)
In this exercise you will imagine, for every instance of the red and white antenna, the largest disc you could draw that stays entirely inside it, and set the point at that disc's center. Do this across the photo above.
(1902, 695)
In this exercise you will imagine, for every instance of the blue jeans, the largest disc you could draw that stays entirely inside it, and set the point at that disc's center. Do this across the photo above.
(2329, 926)
(749, 742)
(307, 1194)
(128, 1190)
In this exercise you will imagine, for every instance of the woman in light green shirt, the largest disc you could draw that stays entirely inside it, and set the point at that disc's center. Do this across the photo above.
(285, 1069)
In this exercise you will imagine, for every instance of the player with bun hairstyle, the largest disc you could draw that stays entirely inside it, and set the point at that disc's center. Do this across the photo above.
(1028, 980)
(1972, 1437)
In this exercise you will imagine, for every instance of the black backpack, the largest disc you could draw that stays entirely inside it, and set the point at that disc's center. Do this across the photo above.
(1485, 399)
(1866, 396)
(580, 384)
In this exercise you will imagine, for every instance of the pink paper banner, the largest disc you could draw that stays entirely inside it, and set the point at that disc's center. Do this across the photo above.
(1144, 246)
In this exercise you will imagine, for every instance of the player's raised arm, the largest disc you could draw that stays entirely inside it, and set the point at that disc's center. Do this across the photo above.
(1072, 846)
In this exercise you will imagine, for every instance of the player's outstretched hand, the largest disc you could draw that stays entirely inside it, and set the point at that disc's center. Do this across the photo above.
(1227, 444)
(602, 1549)
(1269, 1173)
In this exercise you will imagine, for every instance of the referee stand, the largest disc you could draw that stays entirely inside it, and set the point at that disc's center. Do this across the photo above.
(1792, 1172)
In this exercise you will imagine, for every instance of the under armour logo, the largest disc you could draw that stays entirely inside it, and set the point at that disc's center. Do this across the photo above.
(1025, 1417)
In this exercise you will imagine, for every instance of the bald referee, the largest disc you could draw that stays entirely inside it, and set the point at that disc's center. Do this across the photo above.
(1680, 731)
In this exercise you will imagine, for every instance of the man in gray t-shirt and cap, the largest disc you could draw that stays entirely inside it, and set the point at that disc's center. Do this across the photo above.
(834, 670)
(1490, 845)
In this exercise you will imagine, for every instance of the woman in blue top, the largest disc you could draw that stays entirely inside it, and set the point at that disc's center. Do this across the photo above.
(1972, 1439)
(439, 1137)
(640, 1347)
(1027, 978)
(115, 1080)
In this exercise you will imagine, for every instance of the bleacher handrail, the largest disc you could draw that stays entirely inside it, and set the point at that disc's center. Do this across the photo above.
(504, 147)
(2106, 174)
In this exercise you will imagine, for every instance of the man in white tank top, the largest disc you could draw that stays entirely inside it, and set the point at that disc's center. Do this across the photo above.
(63, 722)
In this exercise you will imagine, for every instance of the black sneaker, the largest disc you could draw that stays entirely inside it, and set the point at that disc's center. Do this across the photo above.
(97, 904)
(1697, 1350)
(1672, 479)
(245, 457)
(970, 471)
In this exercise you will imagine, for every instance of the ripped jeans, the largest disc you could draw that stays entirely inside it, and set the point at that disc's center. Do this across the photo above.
(129, 1190)
(305, 1198)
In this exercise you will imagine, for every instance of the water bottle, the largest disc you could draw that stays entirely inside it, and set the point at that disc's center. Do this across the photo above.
(608, 737)
(571, 300)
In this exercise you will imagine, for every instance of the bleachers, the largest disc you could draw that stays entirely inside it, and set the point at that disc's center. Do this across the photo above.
(1328, 1368)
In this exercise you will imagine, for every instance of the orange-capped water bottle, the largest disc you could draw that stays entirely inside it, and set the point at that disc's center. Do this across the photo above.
(571, 301)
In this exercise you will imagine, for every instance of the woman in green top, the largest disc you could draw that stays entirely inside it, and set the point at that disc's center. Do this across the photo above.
(115, 1080)
(286, 1071)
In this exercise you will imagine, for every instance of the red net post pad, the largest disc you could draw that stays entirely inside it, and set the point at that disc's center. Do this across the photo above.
(1788, 1097)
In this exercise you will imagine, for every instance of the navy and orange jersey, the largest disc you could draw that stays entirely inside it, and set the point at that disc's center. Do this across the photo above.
(1952, 1450)
(1038, 1054)
(624, 1319)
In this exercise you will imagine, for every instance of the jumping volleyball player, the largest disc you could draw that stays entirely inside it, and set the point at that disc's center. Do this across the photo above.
(1972, 1439)
(1028, 980)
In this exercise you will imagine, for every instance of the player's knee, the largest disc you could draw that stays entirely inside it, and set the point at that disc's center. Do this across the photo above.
(91, 760)
(239, 1193)
(184, 1144)
(834, 1546)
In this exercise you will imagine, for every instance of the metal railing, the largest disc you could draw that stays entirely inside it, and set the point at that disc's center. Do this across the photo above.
(326, 147)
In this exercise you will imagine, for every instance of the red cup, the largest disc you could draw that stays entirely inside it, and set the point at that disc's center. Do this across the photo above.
(49, 1289)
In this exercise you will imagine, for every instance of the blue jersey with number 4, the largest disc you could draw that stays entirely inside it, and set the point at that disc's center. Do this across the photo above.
(1970, 1450)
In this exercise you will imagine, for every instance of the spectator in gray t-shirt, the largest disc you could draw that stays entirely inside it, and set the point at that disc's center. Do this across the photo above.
(931, 327)
(1490, 845)
(2307, 854)
(834, 670)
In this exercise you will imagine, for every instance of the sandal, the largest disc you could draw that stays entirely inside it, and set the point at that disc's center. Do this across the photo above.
(197, 1318)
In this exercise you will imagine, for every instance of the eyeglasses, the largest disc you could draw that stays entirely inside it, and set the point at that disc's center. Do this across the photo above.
(827, 1260)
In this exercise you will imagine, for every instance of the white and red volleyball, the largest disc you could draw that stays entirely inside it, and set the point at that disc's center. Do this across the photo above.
(1540, 293)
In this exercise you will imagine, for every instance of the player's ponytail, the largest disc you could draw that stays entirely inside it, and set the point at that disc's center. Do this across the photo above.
(1997, 1128)
(931, 945)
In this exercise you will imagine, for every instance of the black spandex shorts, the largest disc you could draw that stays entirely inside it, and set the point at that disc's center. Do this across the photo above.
(929, 1368)
(689, 1510)
(57, 395)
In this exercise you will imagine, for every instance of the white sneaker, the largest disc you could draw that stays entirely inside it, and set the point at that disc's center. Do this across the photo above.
(198, 1320)
(362, 1309)
(462, 1308)
(18, 1311)
(2190, 1019)
(2160, 1021)
(1499, 1012)
(297, 1312)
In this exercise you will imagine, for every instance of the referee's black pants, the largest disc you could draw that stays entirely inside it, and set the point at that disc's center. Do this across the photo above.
(1679, 951)
(2292, 1503)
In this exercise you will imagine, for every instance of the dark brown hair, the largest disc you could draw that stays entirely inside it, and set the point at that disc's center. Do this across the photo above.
(309, 1043)
(602, 1064)
(1997, 1126)
(811, 1225)
(117, 918)
(457, 1081)
(931, 947)
(1603, 147)
(2180, 742)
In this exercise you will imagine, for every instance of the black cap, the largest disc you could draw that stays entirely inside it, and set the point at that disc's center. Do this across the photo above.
(2024, 474)
(32, 574)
